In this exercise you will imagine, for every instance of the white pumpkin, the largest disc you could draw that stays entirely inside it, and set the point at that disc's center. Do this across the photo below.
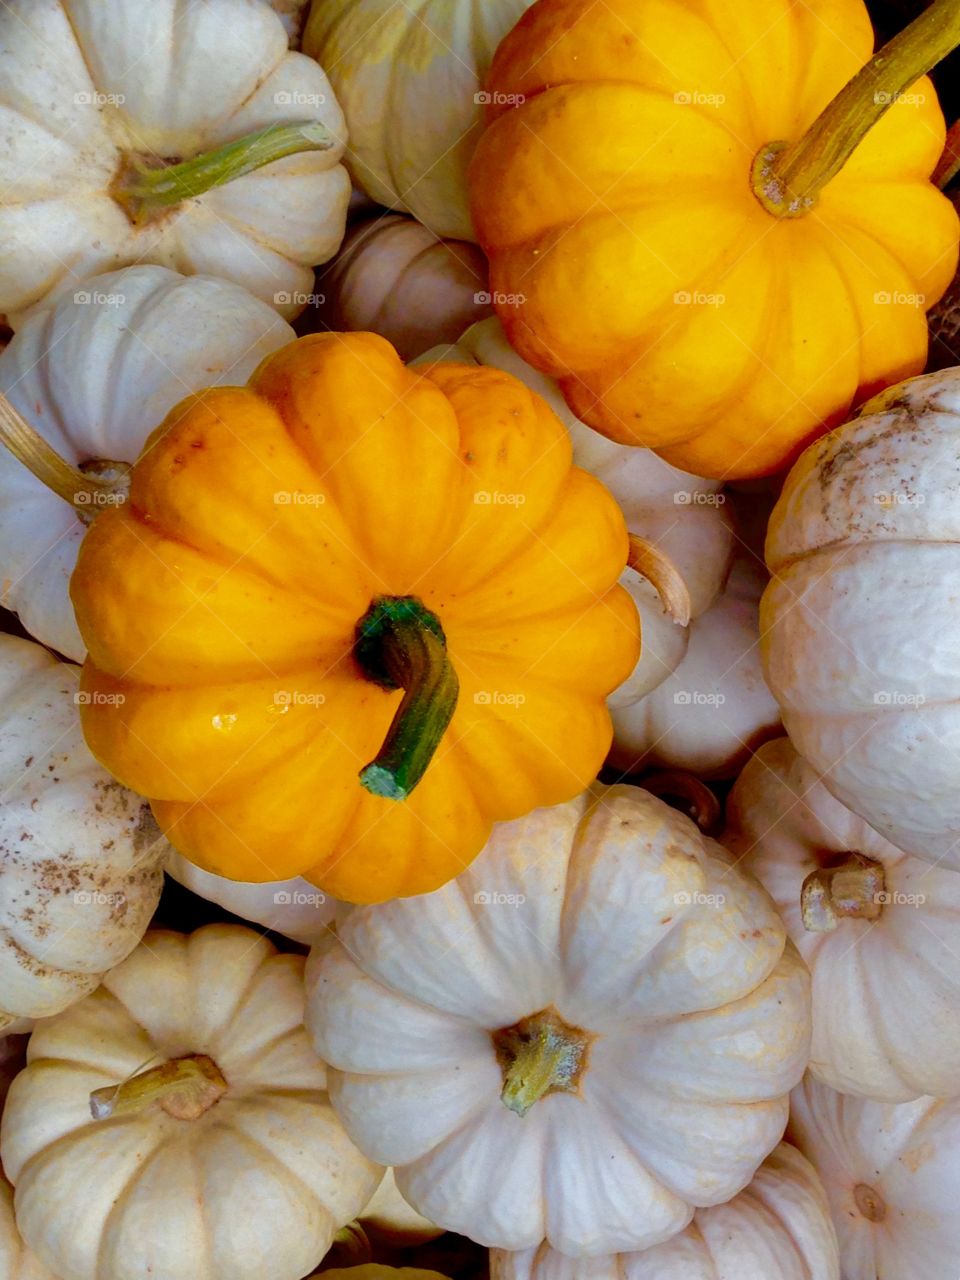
(294, 908)
(92, 91)
(890, 1173)
(94, 375)
(293, 15)
(779, 1228)
(176, 1122)
(682, 518)
(861, 620)
(80, 856)
(714, 708)
(16, 1260)
(394, 277)
(877, 928)
(410, 80)
(389, 1218)
(582, 1039)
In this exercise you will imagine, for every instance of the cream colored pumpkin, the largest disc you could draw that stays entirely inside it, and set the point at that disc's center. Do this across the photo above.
(394, 277)
(714, 709)
(80, 856)
(683, 517)
(95, 374)
(890, 1174)
(237, 1167)
(877, 928)
(585, 1037)
(89, 88)
(410, 79)
(861, 620)
(16, 1260)
(779, 1228)
(295, 908)
(389, 1218)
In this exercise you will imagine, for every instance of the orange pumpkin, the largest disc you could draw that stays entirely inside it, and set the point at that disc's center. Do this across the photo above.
(350, 616)
(648, 250)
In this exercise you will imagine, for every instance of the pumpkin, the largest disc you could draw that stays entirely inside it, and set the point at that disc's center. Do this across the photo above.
(859, 623)
(94, 374)
(80, 861)
(122, 127)
(389, 1218)
(778, 1227)
(293, 15)
(271, 586)
(875, 926)
(716, 290)
(395, 278)
(889, 1170)
(184, 1089)
(711, 711)
(411, 84)
(294, 908)
(680, 524)
(602, 996)
(16, 1260)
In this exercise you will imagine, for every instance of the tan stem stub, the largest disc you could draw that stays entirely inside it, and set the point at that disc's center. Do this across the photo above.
(185, 1088)
(696, 798)
(855, 889)
(869, 1202)
(539, 1055)
(652, 563)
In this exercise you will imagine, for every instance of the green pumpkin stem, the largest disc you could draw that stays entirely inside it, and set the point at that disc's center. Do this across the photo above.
(145, 191)
(400, 645)
(538, 1056)
(185, 1088)
(789, 176)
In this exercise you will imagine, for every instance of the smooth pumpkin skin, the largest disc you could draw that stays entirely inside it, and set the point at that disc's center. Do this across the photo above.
(203, 598)
(604, 231)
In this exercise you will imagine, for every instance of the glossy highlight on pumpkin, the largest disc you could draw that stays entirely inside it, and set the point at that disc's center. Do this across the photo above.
(220, 607)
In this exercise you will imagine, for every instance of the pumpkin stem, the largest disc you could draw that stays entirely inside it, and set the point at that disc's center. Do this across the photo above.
(400, 645)
(789, 176)
(856, 889)
(540, 1055)
(647, 559)
(696, 798)
(185, 1088)
(145, 190)
(948, 165)
(90, 488)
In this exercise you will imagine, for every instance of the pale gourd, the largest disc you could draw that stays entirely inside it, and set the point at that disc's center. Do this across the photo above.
(94, 375)
(410, 80)
(779, 1228)
(890, 1174)
(107, 112)
(80, 856)
(876, 927)
(860, 624)
(16, 1260)
(584, 1038)
(176, 1122)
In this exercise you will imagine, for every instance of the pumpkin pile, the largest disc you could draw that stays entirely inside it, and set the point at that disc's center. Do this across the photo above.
(479, 654)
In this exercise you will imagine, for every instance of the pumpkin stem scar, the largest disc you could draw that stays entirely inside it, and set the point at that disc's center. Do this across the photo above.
(89, 488)
(400, 645)
(870, 1202)
(788, 177)
(856, 889)
(185, 1088)
(146, 191)
(539, 1055)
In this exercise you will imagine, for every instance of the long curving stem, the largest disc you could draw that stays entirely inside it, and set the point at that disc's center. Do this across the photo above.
(789, 176)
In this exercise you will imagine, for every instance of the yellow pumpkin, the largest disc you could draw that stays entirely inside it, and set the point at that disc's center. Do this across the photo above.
(657, 245)
(351, 615)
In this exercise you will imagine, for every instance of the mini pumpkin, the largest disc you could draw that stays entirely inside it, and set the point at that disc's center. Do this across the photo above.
(327, 672)
(601, 991)
(16, 1260)
(131, 135)
(80, 857)
(187, 1083)
(94, 374)
(888, 1171)
(411, 84)
(778, 1227)
(876, 927)
(859, 623)
(668, 231)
